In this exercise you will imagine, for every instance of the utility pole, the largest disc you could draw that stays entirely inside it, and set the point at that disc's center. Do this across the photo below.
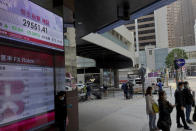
(137, 38)
(142, 72)
(176, 68)
(181, 74)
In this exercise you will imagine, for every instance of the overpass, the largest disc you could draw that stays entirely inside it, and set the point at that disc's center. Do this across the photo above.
(94, 18)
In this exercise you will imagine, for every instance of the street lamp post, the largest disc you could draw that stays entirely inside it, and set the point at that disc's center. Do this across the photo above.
(177, 77)
(142, 72)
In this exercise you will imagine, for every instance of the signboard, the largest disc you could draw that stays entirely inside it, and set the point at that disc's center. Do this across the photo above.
(153, 74)
(26, 84)
(180, 62)
(24, 20)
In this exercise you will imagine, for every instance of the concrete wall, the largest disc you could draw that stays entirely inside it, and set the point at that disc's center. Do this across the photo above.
(85, 62)
(150, 58)
(142, 58)
(161, 27)
(80, 78)
(128, 35)
(153, 62)
(70, 53)
(108, 44)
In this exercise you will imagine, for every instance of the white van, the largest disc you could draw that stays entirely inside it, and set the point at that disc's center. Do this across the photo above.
(137, 85)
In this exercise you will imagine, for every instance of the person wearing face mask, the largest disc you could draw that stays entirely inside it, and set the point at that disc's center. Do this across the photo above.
(180, 104)
(165, 109)
(188, 101)
(149, 109)
(61, 118)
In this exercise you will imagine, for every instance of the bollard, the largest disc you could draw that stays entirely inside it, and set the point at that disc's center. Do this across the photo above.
(170, 91)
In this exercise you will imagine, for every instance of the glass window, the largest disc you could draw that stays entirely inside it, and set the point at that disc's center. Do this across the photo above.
(145, 19)
(150, 52)
(146, 31)
(131, 28)
(147, 37)
(193, 55)
(146, 25)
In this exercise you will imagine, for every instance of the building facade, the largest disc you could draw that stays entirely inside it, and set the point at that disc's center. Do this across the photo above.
(144, 28)
(153, 59)
(175, 24)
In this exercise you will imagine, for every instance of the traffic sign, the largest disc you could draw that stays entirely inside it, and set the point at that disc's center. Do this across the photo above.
(180, 62)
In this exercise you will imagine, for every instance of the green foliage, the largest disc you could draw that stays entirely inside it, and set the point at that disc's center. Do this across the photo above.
(180, 54)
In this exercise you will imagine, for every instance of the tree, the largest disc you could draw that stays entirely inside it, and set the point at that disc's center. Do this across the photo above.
(179, 53)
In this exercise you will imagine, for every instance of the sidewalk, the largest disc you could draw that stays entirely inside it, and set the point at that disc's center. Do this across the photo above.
(117, 114)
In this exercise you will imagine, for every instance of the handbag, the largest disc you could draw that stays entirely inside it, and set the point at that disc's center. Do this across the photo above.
(194, 115)
(155, 108)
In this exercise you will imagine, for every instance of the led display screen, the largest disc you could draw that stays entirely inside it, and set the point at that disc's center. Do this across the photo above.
(26, 85)
(25, 21)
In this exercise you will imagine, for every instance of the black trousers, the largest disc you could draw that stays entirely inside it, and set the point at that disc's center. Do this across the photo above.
(180, 114)
(126, 94)
(166, 130)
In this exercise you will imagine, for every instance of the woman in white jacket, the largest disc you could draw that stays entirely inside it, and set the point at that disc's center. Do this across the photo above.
(149, 110)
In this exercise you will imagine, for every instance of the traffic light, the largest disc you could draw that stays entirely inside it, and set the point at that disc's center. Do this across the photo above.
(176, 65)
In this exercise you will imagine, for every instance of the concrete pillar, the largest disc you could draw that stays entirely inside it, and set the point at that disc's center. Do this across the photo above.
(116, 78)
(101, 77)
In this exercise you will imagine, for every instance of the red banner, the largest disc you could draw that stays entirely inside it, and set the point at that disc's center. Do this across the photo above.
(20, 56)
(30, 123)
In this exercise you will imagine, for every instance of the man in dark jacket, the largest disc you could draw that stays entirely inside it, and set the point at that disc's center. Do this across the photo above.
(180, 104)
(130, 89)
(61, 111)
(188, 101)
(126, 90)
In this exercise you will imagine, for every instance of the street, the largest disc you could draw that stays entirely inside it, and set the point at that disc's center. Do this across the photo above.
(117, 114)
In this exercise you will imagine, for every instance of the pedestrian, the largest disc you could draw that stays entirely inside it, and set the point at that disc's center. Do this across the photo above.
(180, 104)
(131, 91)
(165, 109)
(189, 100)
(149, 109)
(88, 91)
(61, 112)
(160, 85)
(105, 89)
(125, 90)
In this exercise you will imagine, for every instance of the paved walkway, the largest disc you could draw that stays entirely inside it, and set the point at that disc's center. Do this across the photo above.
(117, 114)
